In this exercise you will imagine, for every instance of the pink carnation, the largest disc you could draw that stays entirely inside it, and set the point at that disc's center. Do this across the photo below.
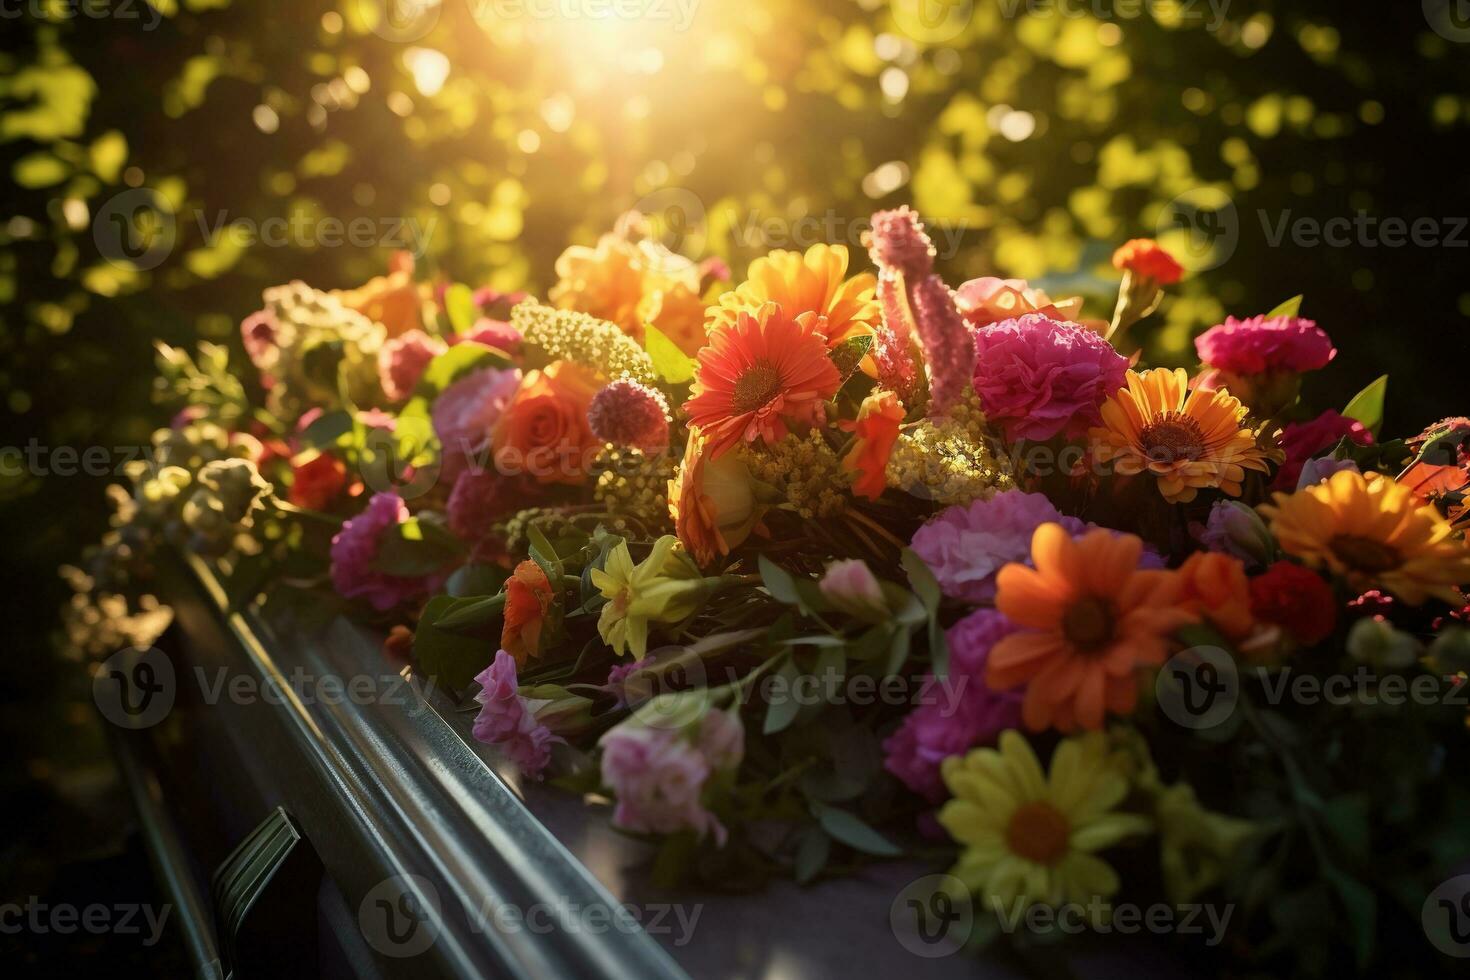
(1303, 440)
(492, 333)
(478, 499)
(965, 546)
(659, 774)
(1040, 377)
(630, 415)
(506, 720)
(1258, 345)
(355, 548)
(465, 413)
(402, 360)
(955, 713)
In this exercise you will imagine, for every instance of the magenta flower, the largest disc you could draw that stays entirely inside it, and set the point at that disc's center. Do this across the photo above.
(967, 545)
(630, 415)
(1303, 440)
(465, 414)
(1040, 377)
(402, 360)
(1258, 345)
(955, 713)
(506, 720)
(492, 333)
(355, 548)
(478, 499)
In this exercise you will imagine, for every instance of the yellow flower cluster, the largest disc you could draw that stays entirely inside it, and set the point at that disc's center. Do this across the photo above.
(806, 471)
(634, 485)
(948, 459)
(582, 339)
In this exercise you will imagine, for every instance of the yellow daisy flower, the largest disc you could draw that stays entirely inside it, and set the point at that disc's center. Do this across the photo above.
(1031, 837)
(1188, 441)
(809, 283)
(1374, 533)
(663, 588)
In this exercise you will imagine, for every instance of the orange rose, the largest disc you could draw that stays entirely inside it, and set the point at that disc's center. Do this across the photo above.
(877, 430)
(528, 596)
(1215, 586)
(394, 300)
(317, 482)
(543, 432)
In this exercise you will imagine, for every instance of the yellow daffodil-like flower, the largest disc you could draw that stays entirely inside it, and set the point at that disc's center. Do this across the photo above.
(663, 588)
(1187, 441)
(809, 283)
(1374, 533)
(1031, 837)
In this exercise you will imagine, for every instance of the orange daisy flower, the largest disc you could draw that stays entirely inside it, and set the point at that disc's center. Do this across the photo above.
(877, 430)
(1216, 587)
(805, 283)
(757, 377)
(1186, 440)
(1089, 619)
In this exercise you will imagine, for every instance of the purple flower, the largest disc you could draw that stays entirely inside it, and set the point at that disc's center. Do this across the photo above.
(355, 548)
(506, 720)
(1040, 377)
(966, 546)
(1258, 345)
(955, 713)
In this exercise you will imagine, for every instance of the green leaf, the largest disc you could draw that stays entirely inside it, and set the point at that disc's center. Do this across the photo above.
(1362, 910)
(477, 611)
(781, 712)
(778, 582)
(669, 362)
(812, 851)
(847, 355)
(850, 829)
(459, 303)
(926, 586)
(1367, 405)
(326, 429)
(476, 579)
(450, 658)
(1292, 307)
(409, 552)
(456, 362)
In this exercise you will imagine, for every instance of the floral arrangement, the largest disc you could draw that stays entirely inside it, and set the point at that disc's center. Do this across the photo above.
(828, 566)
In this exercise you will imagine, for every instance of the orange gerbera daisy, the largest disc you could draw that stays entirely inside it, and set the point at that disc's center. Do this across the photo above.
(528, 596)
(1216, 587)
(1186, 440)
(809, 283)
(877, 430)
(756, 377)
(1089, 619)
(1374, 533)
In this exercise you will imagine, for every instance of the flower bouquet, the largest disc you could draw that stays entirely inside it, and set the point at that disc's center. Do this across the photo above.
(825, 567)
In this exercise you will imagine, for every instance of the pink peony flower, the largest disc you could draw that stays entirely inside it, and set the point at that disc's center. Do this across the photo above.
(506, 720)
(1040, 377)
(659, 774)
(1303, 440)
(355, 548)
(955, 713)
(402, 360)
(965, 546)
(630, 415)
(465, 414)
(1258, 345)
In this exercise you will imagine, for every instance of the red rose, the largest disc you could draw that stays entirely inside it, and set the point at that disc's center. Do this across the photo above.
(1296, 599)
